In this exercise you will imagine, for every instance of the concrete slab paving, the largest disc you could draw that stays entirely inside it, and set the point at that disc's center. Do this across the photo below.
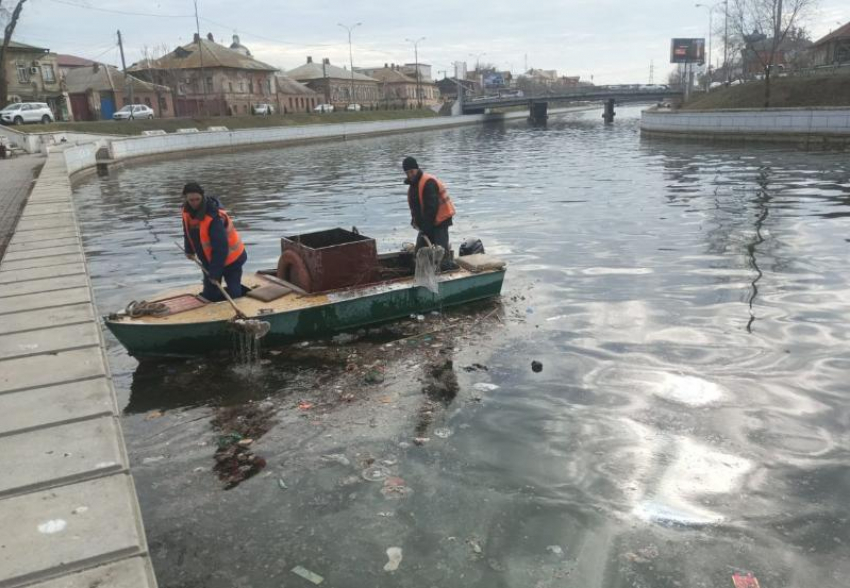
(48, 340)
(42, 223)
(55, 405)
(42, 245)
(29, 262)
(43, 300)
(65, 453)
(41, 253)
(43, 285)
(62, 529)
(43, 235)
(42, 319)
(69, 515)
(46, 370)
(128, 573)
(12, 276)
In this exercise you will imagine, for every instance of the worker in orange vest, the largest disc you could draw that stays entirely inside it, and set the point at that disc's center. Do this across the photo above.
(431, 209)
(209, 235)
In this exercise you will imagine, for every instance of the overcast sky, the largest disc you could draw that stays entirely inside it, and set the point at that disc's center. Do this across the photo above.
(612, 40)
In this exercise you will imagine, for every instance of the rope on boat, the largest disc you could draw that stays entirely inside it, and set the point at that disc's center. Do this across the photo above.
(144, 308)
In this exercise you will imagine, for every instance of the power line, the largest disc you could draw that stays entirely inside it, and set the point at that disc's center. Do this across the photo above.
(110, 11)
(264, 38)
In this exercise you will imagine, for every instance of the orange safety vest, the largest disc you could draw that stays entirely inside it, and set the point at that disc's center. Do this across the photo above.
(445, 208)
(235, 247)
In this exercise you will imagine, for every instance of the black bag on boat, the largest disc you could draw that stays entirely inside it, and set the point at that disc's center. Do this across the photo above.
(471, 247)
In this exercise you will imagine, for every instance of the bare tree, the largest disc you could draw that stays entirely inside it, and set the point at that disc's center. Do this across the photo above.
(764, 26)
(10, 17)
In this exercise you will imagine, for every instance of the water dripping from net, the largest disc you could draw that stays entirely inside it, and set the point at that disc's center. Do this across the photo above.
(245, 353)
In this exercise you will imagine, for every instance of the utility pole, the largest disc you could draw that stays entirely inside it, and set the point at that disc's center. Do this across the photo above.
(651, 72)
(127, 80)
(418, 75)
(350, 57)
(201, 56)
(726, 40)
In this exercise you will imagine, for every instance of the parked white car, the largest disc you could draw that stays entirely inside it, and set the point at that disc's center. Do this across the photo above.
(26, 112)
(354, 107)
(135, 111)
(263, 109)
(324, 108)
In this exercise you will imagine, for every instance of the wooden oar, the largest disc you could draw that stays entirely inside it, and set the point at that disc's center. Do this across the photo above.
(256, 327)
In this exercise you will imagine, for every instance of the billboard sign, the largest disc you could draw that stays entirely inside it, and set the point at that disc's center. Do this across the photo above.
(494, 80)
(687, 51)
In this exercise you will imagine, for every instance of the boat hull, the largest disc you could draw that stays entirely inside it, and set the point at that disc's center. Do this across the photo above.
(344, 311)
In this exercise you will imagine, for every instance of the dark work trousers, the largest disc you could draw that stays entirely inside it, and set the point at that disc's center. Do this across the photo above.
(232, 277)
(439, 236)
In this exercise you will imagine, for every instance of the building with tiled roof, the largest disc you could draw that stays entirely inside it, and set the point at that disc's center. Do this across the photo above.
(98, 90)
(834, 48)
(337, 85)
(32, 75)
(400, 90)
(210, 79)
(294, 96)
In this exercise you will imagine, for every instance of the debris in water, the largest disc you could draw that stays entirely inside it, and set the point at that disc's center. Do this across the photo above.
(476, 547)
(308, 575)
(304, 405)
(748, 581)
(374, 377)
(476, 367)
(375, 473)
(485, 387)
(154, 414)
(148, 460)
(536, 366)
(443, 432)
(394, 487)
(556, 549)
(337, 458)
(282, 484)
(421, 440)
(394, 555)
(242, 424)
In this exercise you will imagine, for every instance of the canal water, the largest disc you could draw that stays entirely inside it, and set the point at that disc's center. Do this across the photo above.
(690, 306)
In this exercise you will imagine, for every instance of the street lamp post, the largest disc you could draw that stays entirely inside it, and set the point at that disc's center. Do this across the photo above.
(350, 57)
(418, 75)
(710, 31)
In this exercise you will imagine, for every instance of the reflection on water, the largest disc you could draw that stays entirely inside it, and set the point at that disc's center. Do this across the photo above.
(689, 305)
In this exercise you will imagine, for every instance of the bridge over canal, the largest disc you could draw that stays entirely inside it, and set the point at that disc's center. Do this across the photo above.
(538, 106)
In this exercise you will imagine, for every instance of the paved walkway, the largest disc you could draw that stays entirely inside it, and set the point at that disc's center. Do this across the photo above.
(18, 174)
(69, 516)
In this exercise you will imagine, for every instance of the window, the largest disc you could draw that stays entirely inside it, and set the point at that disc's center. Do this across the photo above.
(47, 74)
(148, 101)
(163, 104)
(241, 86)
(251, 87)
(209, 87)
(269, 83)
(230, 86)
(23, 74)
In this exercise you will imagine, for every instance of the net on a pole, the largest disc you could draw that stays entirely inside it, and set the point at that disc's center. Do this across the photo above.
(428, 260)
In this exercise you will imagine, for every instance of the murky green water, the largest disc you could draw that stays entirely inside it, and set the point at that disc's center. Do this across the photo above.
(690, 307)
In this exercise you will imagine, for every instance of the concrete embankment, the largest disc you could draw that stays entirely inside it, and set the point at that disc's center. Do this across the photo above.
(68, 508)
(84, 151)
(809, 128)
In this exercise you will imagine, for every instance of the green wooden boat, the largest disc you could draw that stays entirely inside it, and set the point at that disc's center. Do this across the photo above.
(192, 327)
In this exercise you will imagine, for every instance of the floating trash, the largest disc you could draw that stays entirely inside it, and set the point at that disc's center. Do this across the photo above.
(485, 387)
(337, 458)
(556, 549)
(394, 555)
(375, 474)
(308, 575)
(443, 432)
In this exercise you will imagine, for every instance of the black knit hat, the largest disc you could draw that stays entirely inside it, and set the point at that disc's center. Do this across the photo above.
(409, 163)
(193, 188)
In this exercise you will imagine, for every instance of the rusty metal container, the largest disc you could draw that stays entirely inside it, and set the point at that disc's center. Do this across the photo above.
(328, 260)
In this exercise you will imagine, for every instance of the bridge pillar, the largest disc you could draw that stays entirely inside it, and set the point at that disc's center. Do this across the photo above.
(608, 114)
(538, 112)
